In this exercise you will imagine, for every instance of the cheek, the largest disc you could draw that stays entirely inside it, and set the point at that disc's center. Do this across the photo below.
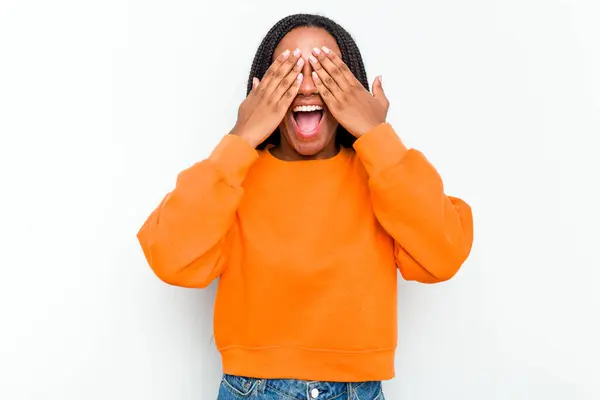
(331, 122)
(286, 123)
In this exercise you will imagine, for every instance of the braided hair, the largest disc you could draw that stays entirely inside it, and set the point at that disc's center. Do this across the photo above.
(350, 55)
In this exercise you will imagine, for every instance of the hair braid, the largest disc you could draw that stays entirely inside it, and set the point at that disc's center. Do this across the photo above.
(350, 55)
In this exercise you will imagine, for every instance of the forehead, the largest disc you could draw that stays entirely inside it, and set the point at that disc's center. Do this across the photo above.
(306, 38)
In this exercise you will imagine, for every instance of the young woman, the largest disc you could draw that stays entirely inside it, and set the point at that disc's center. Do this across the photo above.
(305, 211)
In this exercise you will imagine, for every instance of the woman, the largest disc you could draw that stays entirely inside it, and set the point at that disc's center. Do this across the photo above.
(304, 211)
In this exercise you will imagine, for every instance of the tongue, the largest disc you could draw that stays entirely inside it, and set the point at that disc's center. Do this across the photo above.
(308, 121)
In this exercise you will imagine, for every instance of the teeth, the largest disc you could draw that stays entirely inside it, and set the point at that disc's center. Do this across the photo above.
(307, 108)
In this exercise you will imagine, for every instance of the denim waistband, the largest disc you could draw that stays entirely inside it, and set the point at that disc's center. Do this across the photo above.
(305, 390)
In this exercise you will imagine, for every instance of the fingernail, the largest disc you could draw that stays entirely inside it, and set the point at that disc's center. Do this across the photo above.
(286, 53)
(255, 81)
(300, 76)
(300, 61)
(317, 51)
(296, 52)
(325, 50)
(313, 59)
(315, 76)
(380, 79)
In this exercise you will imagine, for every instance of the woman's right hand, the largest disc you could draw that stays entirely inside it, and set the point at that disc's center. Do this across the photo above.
(266, 105)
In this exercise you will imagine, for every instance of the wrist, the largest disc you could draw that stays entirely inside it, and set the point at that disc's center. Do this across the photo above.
(368, 127)
(245, 135)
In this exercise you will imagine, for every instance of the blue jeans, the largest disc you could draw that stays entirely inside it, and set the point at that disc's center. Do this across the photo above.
(237, 387)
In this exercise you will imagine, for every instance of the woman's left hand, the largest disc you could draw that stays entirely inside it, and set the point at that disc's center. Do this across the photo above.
(347, 99)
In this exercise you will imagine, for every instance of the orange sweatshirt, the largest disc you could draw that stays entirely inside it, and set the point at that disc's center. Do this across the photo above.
(307, 251)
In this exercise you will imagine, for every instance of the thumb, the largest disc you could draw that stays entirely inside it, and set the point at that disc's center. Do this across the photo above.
(378, 89)
(255, 83)
(379, 94)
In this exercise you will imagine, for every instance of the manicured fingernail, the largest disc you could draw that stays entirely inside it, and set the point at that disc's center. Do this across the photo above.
(325, 50)
(296, 52)
(300, 61)
(255, 81)
(300, 76)
(315, 76)
(313, 59)
(285, 54)
(380, 79)
(316, 51)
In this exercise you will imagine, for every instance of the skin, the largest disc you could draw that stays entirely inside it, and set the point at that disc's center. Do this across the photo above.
(311, 73)
(292, 146)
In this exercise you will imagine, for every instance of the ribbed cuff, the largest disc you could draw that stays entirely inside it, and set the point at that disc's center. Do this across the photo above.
(380, 148)
(234, 157)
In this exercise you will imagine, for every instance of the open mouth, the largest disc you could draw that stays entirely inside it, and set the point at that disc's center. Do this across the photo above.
(307, 120)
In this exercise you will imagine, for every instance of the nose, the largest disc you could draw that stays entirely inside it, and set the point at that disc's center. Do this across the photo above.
(307, 87)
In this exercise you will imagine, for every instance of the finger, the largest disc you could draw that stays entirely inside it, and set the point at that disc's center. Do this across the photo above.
(323, 76)
(325, 93)
(274, 67)
(333, 70)
(341, 65)
(284, 68)
(377, 88)
(253, 91)
(288, 80)
(378, 92)
(288, 97)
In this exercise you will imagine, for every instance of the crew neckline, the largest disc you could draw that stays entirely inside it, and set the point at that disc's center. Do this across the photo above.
(342, 154)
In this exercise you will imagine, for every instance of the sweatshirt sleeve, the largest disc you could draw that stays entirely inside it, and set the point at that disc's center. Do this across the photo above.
(433, 232)
(184, 239)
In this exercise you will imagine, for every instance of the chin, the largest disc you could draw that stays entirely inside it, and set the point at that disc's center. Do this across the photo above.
(309, 148)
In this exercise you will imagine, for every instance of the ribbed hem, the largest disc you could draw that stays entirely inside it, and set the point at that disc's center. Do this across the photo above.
(306, 364)
(380, 148)
(234, 157)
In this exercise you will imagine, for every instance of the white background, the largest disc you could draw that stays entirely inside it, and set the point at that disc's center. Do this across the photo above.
(102, 103)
